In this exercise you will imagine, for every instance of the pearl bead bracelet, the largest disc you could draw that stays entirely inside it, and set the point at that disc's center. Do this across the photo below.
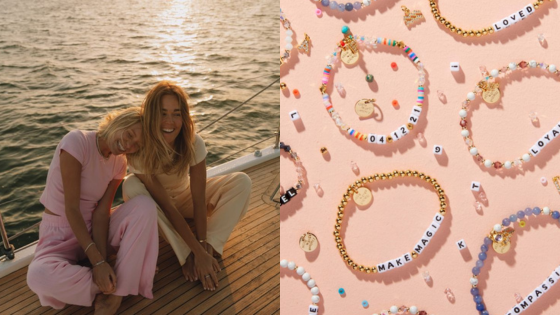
(348, 52)
(362, 196)
(402, 310)
(313, 308)
(488, 88)
(499, 239)
(304, 46)
(349, 6)
(496, 27)
(292, 192)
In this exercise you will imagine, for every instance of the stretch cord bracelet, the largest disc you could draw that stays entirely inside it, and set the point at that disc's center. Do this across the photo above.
(292, 192)
(499, 239)
(488, 88)
(304, 46)
(349, 6)
(362, 196)
(313, 308)
(402, 310)
(496, 27)
(348, 52)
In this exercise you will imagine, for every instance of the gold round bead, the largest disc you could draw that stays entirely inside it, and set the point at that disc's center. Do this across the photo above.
(389, 176)
(374, 269)
(345, 257)
(337, 226)
(340, 214)
(349, 261)
(368, 270)
(410, 126)
(414, 255)
(338, 239)
(443, 205)
(442, 211)
(370, 179)
(336, 233)
(383, 177)
(389, 139)
(339, 221)
(345, 203)
(415, 173)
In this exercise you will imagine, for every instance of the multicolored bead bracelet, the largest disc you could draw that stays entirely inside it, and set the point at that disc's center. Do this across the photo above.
(313, 308)
(499, 239)
(402, 310)
(349, 6)
(292, 192)
(496, 27)
(348, 52)
(363, 196)
(488, 88)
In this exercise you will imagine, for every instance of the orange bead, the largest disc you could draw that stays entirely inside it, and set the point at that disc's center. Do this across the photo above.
(296, 92)
(395, 103)
(393, 65)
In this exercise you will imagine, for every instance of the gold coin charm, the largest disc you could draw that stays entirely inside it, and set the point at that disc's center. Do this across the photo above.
(501, 248)
(308, 242)
(491, 95)
(349, 57)
(364, 107)
(363, 196)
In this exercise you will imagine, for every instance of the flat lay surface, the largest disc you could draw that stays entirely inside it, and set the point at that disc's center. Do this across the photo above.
(403, 208)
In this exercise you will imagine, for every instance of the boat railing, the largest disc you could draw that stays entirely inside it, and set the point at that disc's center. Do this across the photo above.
(8, 250)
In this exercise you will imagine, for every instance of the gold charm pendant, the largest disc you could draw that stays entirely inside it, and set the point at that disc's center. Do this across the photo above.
(362, 196)
(501, 240)
(490, 91)
(411, 17)
(305, 44)
(349, 53)
(308, 242)
(365, 107)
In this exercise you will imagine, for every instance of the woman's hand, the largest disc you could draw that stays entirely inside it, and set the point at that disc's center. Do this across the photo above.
(204, 267)
(210, 250)
(105, 278)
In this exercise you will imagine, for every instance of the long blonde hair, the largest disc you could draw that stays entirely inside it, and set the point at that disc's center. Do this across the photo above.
(118, 120)
(157, 155)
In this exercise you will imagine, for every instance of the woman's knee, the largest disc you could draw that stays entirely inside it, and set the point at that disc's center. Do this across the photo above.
(132, 186)
(144, 206)
(38, 277)
(242, 180)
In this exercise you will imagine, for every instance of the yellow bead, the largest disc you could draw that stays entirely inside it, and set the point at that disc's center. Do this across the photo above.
(521, 223)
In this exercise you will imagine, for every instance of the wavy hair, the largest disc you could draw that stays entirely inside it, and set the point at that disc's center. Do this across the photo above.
(117, 120)
(157, 155)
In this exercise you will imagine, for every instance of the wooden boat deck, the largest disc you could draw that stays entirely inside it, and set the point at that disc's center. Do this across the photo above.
(249, 280)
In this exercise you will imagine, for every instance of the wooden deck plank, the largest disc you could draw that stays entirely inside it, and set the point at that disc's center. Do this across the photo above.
(249, 280)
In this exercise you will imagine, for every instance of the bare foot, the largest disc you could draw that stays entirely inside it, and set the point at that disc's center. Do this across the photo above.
(107, 304)
(212, 251)
(188, 269)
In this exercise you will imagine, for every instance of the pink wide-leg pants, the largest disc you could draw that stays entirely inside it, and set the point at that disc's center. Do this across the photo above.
(54, 276)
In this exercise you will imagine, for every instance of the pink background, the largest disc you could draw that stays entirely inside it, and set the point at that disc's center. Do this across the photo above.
(402, 209)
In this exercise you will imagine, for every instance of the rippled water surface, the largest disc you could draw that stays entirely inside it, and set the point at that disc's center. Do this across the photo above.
(64, 64)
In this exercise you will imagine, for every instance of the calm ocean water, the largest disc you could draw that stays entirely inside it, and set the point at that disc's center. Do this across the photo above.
(64, 64)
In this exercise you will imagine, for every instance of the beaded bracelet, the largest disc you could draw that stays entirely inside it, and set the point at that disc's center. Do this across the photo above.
(349, 54)
(289, 32)
(499, 238)
(488, 88)
(348, 6)
(292, 192)
(402, 310)
(362, 196)
(313, 308)
(496, 27)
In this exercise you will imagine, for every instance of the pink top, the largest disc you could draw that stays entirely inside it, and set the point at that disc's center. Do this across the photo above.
(96, 173)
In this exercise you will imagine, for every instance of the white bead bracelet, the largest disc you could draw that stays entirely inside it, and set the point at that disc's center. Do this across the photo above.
(313, 308)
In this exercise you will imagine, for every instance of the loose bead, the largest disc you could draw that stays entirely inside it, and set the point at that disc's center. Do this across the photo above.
(543, 180)
(341, 291)
(345, 29)
(365, 303)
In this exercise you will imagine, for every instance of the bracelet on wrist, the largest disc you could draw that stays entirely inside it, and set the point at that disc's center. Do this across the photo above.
(102, 261)
(90, 244)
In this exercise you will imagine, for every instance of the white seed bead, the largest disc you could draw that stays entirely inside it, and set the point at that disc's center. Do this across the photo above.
(470, 96)
(413, 310)
(311, 283)
(526, 157)
(463, 113)
(289, 46)
(289, 33)
(300, 270)
(291, 265)
(512, 66)
(487, 163)
(473, 151)
(288, 39)
(306, 277)
(533, 63)
(365, 3)
(546, 210)
(507, 165)
(552, 68)
(315, 299)
(465, 133)
(315, 290)
(283, 263)
(498, 228)
(495, 72)
(394, 309)
(474, 281)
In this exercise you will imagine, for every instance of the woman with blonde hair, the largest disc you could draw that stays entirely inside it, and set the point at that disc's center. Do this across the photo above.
(86, 169)
(172, 152)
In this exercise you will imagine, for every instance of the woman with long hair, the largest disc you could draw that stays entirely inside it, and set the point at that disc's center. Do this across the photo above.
(85, 172)
(171, 169)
